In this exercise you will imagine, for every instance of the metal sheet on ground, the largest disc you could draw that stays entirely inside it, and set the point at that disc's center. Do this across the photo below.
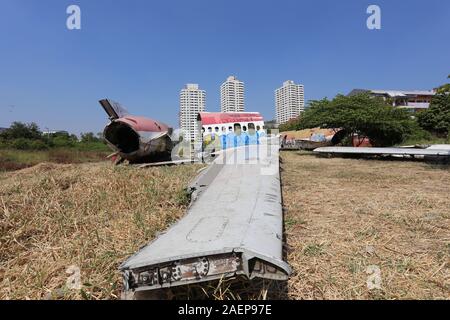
(384, 151)
(234, 226)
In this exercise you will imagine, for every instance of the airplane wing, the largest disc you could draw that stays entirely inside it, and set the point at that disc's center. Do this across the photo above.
(233, 227)
(384, 151)
(114, 109)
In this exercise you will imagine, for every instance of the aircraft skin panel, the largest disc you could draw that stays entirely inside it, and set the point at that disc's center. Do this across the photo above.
(142, 124)
(235, 224)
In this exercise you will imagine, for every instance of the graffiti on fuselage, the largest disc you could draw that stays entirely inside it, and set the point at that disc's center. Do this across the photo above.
(233, 136)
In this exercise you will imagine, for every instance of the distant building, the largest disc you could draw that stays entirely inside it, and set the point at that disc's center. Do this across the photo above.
(232, 95)
(413, 101)
(289, 101)
(55, 132)
(272, 124)
(192, 102)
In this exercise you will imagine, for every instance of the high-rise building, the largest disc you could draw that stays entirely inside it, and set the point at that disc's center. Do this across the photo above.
(192, 101)
(232, 95)
(289, 101)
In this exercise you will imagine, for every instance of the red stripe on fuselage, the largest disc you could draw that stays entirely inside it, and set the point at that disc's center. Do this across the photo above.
(144, 124)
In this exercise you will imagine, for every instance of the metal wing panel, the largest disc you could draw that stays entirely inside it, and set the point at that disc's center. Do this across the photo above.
(383, 151)
(238, 213)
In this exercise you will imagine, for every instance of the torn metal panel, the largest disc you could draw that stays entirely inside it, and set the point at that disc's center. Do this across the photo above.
(233, 227)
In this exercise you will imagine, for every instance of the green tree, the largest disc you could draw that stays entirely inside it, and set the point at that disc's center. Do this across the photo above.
(436, 118)
(359, 114)
(21, 130)
(291, 125)
(444, 88)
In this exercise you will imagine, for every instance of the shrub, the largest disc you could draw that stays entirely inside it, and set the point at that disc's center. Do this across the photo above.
(38, 145)
(62, 141)
(4, 144)
(436, 119)
(27, 144)
(21, 144)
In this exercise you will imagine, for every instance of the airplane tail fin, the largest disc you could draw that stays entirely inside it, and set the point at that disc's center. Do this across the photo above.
(114, 109)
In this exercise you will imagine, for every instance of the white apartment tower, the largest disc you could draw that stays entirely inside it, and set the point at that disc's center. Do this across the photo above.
(192, 101)
(289, 101)
(232, 95)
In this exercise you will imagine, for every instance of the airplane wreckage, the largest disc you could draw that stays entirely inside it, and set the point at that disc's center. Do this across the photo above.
(436, 152)
(326, 142)
(136, 139)
(234, 224)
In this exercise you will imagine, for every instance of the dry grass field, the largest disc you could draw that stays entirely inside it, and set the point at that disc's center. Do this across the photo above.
(346, 218)
(92, 216)
(11, 159)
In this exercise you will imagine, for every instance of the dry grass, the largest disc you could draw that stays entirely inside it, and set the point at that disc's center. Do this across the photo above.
(344, 215)
(11, 159)
(92, 216)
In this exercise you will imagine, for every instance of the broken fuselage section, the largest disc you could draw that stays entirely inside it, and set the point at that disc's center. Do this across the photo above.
(136, 139)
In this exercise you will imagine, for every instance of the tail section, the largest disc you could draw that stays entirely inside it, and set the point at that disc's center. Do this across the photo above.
(113, 109)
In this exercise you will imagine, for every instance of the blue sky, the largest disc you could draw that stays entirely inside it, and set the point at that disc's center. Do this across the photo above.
(142, 52)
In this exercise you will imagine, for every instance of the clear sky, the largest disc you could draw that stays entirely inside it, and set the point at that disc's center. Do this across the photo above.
(142, 52)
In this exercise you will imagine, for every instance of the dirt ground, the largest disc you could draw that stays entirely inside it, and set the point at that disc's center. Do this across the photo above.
(350, 222)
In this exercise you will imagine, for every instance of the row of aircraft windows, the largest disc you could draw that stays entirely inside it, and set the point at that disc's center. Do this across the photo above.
(235, 127)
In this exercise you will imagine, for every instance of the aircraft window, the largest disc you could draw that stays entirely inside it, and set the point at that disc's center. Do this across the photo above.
(237, 129)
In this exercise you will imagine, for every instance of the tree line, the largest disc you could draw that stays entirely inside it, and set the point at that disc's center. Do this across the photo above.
(23, 136)
(374, 118)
